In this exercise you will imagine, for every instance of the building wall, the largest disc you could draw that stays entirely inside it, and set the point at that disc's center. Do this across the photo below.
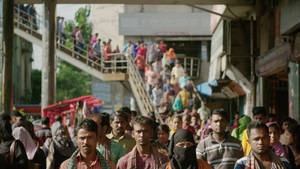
(106, 21)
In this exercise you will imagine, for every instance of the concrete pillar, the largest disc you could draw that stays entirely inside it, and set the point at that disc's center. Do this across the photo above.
(7, 54)
(49, 58)
(294, 91)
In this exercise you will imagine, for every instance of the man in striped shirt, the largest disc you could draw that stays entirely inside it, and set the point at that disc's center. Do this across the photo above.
(219, 149)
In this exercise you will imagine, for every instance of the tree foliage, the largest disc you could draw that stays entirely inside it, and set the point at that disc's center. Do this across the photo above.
(80, 20)
(72, 82)
(36, 87)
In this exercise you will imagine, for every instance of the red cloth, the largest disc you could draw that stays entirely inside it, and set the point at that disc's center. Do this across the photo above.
(140, 62)
(189, 128)
(106, 52)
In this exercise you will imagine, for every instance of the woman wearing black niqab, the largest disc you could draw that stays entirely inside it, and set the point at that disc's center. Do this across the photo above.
(182, 152)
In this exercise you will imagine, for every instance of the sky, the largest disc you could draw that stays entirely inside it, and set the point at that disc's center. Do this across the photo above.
(68, 12)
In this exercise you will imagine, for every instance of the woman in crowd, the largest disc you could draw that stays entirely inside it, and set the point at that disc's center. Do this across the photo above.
(12, 152)
(293, 140)
(59, 147)
(35, 155)
(176, 123)
(182, 152)
(278, 148)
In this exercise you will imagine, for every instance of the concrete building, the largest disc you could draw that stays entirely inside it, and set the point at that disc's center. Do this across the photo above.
(184, 28)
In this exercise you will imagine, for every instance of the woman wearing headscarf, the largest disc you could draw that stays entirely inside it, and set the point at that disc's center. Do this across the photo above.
(12, 152)
(182, 152)
(238, 132)
(59, 147)
(35, 155)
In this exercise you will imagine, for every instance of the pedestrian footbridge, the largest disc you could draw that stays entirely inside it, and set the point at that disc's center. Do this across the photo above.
(121, 67)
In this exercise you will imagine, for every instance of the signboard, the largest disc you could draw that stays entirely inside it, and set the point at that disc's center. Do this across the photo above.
(164, 24)
(273, 61)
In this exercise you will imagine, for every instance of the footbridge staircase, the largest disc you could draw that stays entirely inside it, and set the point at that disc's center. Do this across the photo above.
(119, 68)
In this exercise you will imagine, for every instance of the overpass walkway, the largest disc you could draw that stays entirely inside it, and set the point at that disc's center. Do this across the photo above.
(121, 67)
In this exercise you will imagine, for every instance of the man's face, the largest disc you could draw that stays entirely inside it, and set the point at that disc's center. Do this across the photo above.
(218, 123)
(259, 140)
(87, 141)
(142, 134)
(118, 125)
(260, 117)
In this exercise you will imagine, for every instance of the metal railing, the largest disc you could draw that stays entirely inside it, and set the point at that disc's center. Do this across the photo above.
(31, 25)
(192, 65)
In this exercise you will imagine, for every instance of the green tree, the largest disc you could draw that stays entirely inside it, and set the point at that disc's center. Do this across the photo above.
(72, 82)
(80, 20)
(36, 81)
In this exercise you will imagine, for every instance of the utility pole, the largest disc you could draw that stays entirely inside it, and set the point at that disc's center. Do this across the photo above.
(49, 57)
(7, 56)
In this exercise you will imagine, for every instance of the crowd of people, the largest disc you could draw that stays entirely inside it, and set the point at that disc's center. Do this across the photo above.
(191, 137)
(27, 15)
(125, 140)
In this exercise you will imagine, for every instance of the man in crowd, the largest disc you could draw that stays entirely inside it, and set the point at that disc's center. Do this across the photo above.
(261, 155)
(177, 70)
(111, 150)
(44, 132)
(118, 124)
(143, 155)
(86, 156)
(186, 121)
(258, 114)
(220, 149)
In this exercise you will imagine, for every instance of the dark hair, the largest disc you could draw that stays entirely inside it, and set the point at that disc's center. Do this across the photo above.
(45, 120)
(188, 116)
(119, 114)
(289, 121)
(125, 110)
(259, 110)
(104, 119)
(28, 126)
(89, 125)
(294, 130)
(58, 118)
(5, 128)
(220, 112)
(178, 116)
(276, 127)
(163, 127)
(17, 114)
(133, 113)
(142, 120)
(256, 125)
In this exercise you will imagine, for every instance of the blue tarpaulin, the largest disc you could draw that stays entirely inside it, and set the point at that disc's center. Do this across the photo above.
(206, 87)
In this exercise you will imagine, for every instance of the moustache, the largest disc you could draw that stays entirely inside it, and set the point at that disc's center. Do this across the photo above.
(86, 145)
